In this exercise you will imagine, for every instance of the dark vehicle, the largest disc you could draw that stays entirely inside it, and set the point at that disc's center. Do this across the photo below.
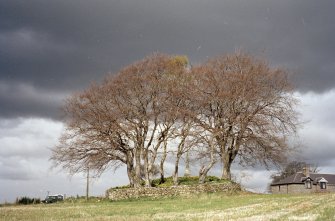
(53, 199)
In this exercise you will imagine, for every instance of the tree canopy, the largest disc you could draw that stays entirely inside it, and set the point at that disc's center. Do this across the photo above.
(230, 107)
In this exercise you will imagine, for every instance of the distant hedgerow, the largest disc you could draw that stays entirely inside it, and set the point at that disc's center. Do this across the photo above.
(27, 200)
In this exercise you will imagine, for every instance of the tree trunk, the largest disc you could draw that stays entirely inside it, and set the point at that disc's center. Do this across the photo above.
(202, 175)
(179, 154)
(204, 170)
(146, 169)
(176, 167)
(228, 158)
(226, 174)
(161, 166)
(187, 172)
(130, 168)
(130, 173)
(137, 180)
(227, 161)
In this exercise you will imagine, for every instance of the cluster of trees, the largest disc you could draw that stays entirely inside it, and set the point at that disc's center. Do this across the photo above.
(230, 108)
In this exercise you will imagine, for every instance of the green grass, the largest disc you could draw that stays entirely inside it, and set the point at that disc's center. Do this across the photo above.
(215, 206)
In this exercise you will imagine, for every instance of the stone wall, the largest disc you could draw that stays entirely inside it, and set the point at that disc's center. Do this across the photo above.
(154, 192)
(300, 188)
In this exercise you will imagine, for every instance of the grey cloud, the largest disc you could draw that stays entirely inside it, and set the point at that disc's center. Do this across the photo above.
(24, 148)
(318, 146)
(15, 174)
(22, 100)
(28, 139)
(63, 46)
(16, 168)
(316, 136)
(103, 36)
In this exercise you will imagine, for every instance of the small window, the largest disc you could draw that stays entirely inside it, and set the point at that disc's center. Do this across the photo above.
(323, 185)
(308, 184)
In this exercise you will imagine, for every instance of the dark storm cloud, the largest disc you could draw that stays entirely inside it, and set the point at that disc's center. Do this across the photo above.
(64, 45)
(24, 100)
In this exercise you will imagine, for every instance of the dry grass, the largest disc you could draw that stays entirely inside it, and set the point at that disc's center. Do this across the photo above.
(203, 207)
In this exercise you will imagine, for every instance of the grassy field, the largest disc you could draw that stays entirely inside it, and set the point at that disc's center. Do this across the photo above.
(242, 206)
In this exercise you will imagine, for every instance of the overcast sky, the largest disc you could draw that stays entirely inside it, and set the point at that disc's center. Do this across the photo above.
(49, 49)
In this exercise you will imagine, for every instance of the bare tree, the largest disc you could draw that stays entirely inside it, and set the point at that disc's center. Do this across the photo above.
(231, 107)
(121, 121)
(247, 107)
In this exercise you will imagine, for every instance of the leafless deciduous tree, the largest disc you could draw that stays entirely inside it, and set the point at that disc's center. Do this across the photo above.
(247, 107)
(125, 120)
(231, 107)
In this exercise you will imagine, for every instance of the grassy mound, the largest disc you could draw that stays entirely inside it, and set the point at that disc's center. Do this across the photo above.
(192, 180)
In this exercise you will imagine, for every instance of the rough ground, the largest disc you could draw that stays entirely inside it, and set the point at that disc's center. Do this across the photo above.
(241, 207)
